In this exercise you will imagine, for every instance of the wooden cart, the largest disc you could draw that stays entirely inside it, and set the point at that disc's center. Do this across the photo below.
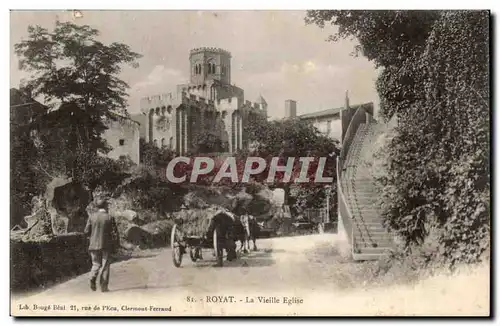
(213, 233)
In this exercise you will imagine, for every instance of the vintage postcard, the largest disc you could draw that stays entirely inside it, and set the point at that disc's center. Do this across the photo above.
(250, 163)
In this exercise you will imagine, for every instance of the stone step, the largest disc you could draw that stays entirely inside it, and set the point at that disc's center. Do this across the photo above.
(367, 243)
(378, 233)
(368, 220)
(364, 229)
(370, 241)
(362, 187)
(363, 202)
(367, 214)
(378, 250)
(361, 205)
(370, 233)
(360, 218)
(371, 227)
(368, 225)
(369, 246)
(363, 190)
(372, 237)
(362, 210)
(363, 197)
(364, 213)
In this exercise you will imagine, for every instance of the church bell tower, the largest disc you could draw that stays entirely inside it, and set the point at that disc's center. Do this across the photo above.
(210, 64)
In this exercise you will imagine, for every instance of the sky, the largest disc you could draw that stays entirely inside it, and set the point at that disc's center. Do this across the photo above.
(274, 54)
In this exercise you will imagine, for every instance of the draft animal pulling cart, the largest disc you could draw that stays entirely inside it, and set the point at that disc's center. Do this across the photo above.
(212, 231)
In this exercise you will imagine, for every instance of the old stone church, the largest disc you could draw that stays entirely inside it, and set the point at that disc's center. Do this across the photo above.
(208, 105)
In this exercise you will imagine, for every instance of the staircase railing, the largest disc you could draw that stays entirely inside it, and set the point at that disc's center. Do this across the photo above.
(345, 213)
(359, 117)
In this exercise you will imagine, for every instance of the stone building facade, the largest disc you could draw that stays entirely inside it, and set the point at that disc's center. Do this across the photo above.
(123, 136)
(331, 122)
(208, 104)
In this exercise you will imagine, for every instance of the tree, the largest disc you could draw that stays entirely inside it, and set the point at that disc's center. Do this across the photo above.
(153, 156)
(385, 36)
(207, 142)
(294, 138)
(393, 40)
(76, 75)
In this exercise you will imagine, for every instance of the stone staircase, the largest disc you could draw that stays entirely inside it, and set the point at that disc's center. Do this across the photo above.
(370, 240)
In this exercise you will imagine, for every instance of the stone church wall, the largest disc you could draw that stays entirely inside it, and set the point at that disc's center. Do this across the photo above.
(123, 136)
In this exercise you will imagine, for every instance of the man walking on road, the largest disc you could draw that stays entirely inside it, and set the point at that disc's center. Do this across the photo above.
(101, 228)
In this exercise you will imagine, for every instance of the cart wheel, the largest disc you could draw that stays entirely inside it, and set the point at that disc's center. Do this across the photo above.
(177, 248)
(218, 249)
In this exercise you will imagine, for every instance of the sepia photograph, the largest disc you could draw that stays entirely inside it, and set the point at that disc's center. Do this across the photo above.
(208, 163)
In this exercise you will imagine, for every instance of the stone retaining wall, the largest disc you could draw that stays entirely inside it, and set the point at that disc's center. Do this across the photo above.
(37, 264)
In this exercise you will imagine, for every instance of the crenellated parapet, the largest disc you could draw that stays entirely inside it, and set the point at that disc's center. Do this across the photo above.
(192, 100)
(254, 107)
(158, 102)
(210, 49)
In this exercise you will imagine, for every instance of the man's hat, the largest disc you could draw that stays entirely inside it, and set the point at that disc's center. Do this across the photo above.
(183, 206)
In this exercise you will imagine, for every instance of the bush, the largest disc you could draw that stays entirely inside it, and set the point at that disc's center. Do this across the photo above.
(147, 191)
(437, 178)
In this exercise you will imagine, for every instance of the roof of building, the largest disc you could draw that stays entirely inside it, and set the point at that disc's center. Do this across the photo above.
(329, 112)
(20, 100)
(260, 100)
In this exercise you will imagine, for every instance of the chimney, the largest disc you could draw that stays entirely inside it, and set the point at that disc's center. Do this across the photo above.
(345, 116)
(290, 109)
(346, 102)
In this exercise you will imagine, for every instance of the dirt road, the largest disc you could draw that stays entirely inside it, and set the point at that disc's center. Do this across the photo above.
(304, 275)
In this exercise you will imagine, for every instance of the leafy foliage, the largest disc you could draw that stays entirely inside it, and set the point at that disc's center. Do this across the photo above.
(76, 75)
(295, 138)
(208, 142)
(153, 156)
(385, 36)
(147, 190)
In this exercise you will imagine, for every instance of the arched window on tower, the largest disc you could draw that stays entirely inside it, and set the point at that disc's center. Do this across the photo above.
(163, 142)
(211, 68)
(212, 93)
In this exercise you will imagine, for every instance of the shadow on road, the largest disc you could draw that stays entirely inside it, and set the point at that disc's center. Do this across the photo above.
(252, 259)
(124, 257)
(143, 288)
